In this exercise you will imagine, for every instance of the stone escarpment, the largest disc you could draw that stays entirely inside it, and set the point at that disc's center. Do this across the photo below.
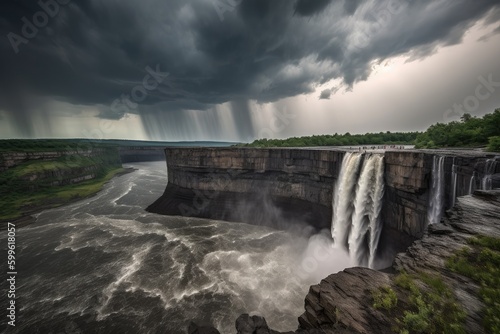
(262, 186)
(408, 175)
(33, 181)
(276, 186)
(30, 171)
(141, 153)
(125, 154)
(13, 159)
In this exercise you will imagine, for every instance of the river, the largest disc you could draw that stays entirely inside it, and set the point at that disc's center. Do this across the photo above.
(104, 265)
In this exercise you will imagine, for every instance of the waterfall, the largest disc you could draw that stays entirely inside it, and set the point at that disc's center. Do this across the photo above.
(472, 184)
(344, 193)
(489, 170)
(436, 198)
(357, 205)
(454, 177)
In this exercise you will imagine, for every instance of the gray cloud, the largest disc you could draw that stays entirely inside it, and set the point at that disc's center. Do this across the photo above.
(350, 6)
(310, 7)
(92, 52)
(325, 94)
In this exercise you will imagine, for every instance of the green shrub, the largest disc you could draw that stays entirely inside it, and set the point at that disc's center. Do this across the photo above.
(481, 263)
(493, 144)
(432, 306)
(384, 298)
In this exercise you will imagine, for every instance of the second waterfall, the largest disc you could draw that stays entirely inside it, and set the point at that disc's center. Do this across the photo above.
(357, 203)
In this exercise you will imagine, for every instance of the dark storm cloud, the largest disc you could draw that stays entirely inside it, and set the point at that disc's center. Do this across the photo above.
(310, 7)
(325, 94)
(350, 6)
(93, 52)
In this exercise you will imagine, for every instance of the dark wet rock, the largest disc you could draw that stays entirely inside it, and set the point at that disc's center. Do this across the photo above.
(199, 328)
(246, 324)
(342, 303)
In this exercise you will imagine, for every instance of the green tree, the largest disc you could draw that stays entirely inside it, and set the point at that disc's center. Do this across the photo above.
(494, 144)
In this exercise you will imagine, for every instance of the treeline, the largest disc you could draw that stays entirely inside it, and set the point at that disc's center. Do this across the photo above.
(470, 131)
(381, 138)
(40, 145)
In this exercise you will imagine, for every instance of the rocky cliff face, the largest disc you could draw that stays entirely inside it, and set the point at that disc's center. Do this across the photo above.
(408, 176)
(275, 185)
(12, 159)
(251, 185)
(30, 171)
(140, 153)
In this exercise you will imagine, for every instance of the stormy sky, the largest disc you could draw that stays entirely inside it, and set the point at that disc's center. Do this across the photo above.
(242, 69)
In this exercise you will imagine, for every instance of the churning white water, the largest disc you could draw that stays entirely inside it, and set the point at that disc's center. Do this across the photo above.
(436, 198)
(357, 204)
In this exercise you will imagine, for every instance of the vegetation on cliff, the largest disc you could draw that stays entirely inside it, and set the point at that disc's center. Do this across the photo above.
(481, 262)
(469, 131)
(47, 145)
(423, 303)
(382, 138)
(494, 144)
(39, 184)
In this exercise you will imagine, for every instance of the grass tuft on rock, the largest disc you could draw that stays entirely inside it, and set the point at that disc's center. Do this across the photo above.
(384, 298)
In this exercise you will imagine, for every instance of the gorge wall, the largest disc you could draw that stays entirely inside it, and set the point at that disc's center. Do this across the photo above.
(240, 184)
(272, 185)
(119, 155)
(28, 171)
(12, 159)
(408, 176)
(141, 153)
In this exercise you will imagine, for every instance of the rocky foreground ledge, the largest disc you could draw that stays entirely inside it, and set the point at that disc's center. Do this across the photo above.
(422, 292)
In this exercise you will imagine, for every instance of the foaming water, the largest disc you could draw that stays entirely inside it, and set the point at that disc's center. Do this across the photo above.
(105, 265)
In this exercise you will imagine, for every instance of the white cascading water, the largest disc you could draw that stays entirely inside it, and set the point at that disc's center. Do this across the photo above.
(454, 177)
(344, 194)
(489, 170)
(367, 206)
(357, 205)
(472, 184)
(436, 198)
